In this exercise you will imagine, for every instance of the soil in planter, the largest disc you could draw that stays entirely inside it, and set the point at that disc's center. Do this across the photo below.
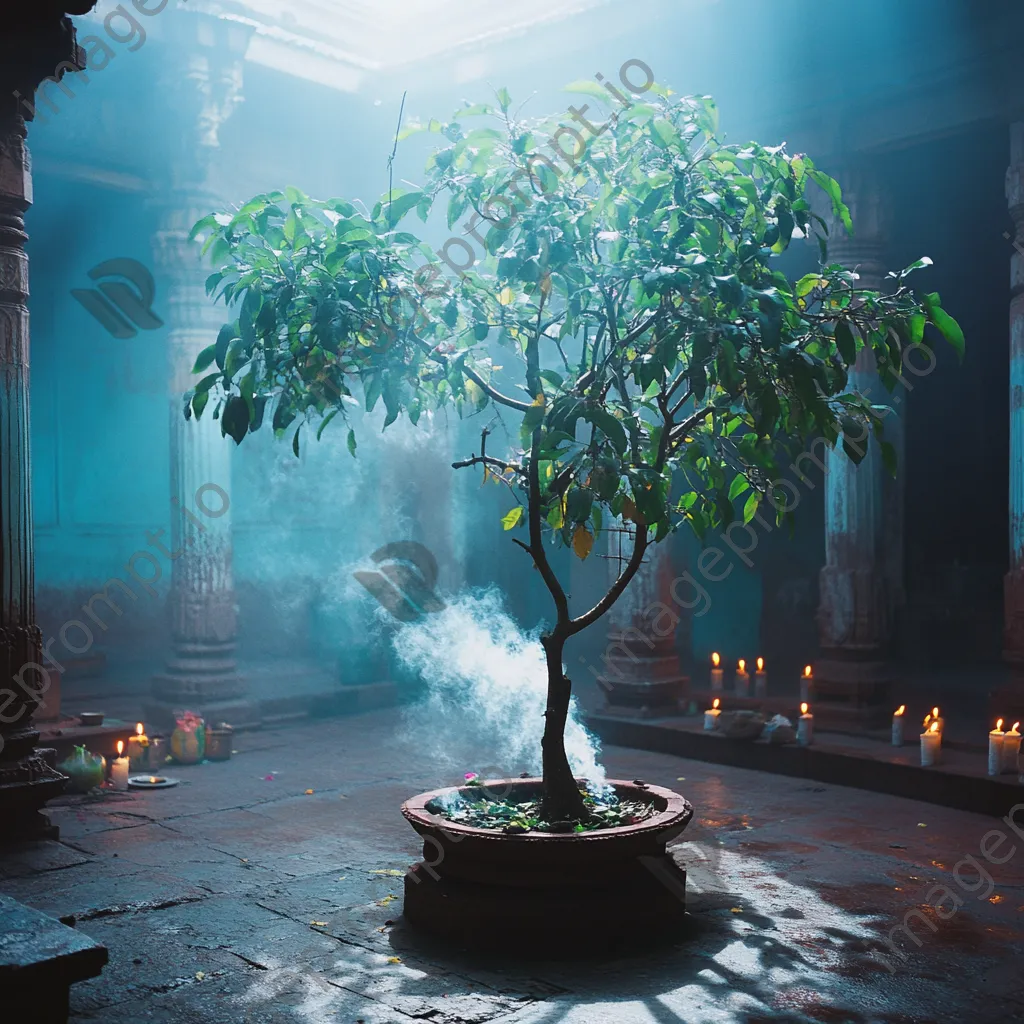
(517, 818)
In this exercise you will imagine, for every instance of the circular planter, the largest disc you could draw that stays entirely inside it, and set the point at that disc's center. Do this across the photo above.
(560, 892)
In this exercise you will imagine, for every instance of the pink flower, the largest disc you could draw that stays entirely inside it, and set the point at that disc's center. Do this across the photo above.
(470, 776)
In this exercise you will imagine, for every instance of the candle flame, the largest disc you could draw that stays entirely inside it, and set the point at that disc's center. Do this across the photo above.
(935, 712)
(715, 703)
(1016, 726)
(120, 747)
(807, 671)
(901, 709)
(999, 725)
(934, 727)
(139, 729)
(760, 664)
(803, 709)
(927, 719)
(715, 659)
(743, 665)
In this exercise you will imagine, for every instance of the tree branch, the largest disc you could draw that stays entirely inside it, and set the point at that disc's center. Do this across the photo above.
(615, 591)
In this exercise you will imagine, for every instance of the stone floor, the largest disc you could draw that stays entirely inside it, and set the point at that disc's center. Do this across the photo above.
(239, 897)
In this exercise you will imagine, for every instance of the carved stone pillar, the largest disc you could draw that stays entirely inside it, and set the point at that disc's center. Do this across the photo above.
(1010, 702)
(202, 673)
(32, 45)
(861, 583)
(641, 675)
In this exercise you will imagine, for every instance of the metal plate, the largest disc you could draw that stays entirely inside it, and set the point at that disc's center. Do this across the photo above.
(151, 782)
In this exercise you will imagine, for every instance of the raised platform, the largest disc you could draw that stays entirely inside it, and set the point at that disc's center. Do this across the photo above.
(960, 781)
(40, 959)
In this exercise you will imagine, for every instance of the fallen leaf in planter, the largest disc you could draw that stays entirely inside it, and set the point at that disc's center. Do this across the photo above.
(309, 792)
(318, 924)
(736, 910)
(390, 872)
(390, 898)
(394, 959)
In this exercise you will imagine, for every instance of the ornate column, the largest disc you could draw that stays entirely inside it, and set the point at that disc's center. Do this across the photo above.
(640, 674)
(32, 45)
(861, 583)
(1010, 701)
(202, 673)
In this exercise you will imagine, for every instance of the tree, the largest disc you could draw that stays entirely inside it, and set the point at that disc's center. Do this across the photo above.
(661, 367)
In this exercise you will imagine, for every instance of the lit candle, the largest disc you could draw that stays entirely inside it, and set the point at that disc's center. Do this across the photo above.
(936, 717)
(931, 745)
(1011, 748)
(716, 672)
(897, 726)
(995, 749)
(742, 679)
(138, 749)
(806, 682)
(711, 716)
(760, 680)
(805, 727)
(119, 769)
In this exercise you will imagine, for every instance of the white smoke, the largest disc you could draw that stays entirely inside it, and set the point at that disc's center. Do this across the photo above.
(486, 685)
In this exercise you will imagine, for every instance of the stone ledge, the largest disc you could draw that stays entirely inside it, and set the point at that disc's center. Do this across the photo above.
(960, 782)
(40, 959)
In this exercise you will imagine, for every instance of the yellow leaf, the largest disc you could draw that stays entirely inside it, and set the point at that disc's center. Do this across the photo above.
(318, 924)
(309, 792)
(387, 899)
(628, 509)
(394, 959)
(506, 296)
(511, 520)
(582, 541)
(736, 910)
(391, 872)
(200, 975)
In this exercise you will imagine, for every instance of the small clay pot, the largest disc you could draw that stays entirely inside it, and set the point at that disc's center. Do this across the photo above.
(219, 740)
(91, 717)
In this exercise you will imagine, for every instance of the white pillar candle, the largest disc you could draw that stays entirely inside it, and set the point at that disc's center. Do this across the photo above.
(805, 727)
(995, 749)
(1011, 749)
(897, 726)
(931, 746)
(716, 673)
(711, 716)
(806, 684)
(742, 679)
(760, 680)
(119, 769)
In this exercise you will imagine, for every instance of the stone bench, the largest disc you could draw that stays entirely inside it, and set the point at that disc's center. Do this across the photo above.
(40, 959)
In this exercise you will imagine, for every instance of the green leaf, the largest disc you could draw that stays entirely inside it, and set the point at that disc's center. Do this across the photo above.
(739, 485)
(295, 440)
(511, 520)
(352, 443)
(750, 506)
(504, 99)
(947, 326)
(588, 87)
(846, 342)
(889, 457)
(234, 421)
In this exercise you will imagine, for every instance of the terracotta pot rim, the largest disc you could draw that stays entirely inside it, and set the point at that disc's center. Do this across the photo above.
(676, 814)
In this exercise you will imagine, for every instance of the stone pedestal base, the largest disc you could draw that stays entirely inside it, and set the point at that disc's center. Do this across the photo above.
(25, 786)
(852, 689)
(643, 681)
(242, 714)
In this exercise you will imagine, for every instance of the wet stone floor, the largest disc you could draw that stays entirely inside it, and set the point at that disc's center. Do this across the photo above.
(239, 897)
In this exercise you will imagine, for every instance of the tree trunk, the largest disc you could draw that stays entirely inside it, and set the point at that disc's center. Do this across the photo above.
(562, 798)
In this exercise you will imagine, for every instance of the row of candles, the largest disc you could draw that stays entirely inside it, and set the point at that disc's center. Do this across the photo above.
(742, 678)
(1003, 747)
(804, 728)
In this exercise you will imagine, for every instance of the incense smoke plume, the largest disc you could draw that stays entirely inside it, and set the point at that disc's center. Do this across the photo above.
(486, 685)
